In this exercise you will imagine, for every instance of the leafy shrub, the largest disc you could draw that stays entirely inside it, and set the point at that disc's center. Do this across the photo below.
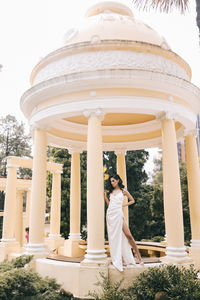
(158, 238)
(163, 283)
(19, 283)
(109, 291)
(19, 262)
(174, 282)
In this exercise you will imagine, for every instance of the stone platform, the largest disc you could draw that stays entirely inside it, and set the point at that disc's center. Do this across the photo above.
(79, 278)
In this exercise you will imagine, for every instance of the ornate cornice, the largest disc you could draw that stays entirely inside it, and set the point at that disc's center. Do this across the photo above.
(109, 59)
(122, 45)
(110, 79)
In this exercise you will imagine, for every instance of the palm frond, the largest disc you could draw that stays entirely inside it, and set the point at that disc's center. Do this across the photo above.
(162, 5)
(198, 13)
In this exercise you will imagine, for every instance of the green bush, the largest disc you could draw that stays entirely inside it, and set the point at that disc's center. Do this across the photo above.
(158, 238)
(19, 262)
(176, 283)
(109, 291)
(163, 282)
(19, 283)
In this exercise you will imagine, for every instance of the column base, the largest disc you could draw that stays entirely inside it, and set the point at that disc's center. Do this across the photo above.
(38, 250)
(72, 249)
(74, 237)
(54, 241)
(8, 246)
(194, 252)
(176, 256)
(95, 257)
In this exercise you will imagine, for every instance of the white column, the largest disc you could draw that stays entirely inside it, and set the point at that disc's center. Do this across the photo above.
(193, 176)
(55, 205)
(19, 218)
(38, 195)
(26, 214)
(54, 240)
(176, 250)
(71, 245)
(28, 202)
(10, 204)
(121, 171)
(75, 197)
(8, 242)
(95, 189)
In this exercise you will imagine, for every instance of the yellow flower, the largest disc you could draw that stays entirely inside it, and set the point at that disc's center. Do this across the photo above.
(106, 176)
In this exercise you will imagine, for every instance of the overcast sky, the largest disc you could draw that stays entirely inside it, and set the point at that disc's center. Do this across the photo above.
(30, 29)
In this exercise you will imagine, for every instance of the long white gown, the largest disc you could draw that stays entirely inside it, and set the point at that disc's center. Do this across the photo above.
(118, 242)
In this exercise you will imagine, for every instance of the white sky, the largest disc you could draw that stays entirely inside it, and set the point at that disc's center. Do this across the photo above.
(30, 29)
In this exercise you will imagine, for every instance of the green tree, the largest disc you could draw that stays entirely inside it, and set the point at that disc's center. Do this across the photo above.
(136, 178)
(157, 200)
(185, 201)
(13, 141)
(20, 283)
(62, 156)
(139, 213)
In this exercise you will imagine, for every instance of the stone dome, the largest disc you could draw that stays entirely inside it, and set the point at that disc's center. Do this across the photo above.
(113, 21)
(115, 65)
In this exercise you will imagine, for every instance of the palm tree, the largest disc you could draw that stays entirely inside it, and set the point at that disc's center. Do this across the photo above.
(168, 5)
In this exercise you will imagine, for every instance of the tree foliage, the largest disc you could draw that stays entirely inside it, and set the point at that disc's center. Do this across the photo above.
(162, 282)
(146, 216)
(162, 5)
(13, 141)
(167, 6)
(62, 156)
(157, 206)
(172, 281)
(19, 282)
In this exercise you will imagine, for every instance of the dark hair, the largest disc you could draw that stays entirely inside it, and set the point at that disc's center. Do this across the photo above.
(27, 229)
(120, 183)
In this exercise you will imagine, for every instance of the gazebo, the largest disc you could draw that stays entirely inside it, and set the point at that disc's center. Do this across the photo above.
(114, 85)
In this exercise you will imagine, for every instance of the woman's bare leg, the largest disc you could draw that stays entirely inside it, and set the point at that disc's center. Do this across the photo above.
(131, 240)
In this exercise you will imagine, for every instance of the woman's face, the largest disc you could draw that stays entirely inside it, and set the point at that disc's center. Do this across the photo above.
(114, 182)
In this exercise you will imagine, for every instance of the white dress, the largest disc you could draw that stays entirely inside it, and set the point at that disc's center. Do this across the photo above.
(118, 242)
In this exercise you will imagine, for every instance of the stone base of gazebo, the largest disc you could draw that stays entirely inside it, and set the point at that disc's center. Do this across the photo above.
(80, 278)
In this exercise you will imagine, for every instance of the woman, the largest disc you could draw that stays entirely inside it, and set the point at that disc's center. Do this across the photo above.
(119, 235)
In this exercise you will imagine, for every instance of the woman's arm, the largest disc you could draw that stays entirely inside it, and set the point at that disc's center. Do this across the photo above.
(130, 198)
(106, 198)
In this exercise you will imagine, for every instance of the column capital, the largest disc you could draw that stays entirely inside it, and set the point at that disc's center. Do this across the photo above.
(191, 132)
(166, 115)
(10, 165)
(57, 172)
(120, 151)
(96, 112)
(75, 150)
(35, 125)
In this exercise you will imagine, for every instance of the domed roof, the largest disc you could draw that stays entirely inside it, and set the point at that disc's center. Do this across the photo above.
(112, 20)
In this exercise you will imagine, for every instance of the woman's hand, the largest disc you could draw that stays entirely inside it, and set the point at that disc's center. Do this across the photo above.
(106, 198)
(125, 192)
(105, 194)
(130, 198)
